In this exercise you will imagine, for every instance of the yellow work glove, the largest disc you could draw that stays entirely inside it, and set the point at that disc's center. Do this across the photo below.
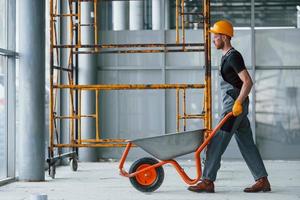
(237, 108)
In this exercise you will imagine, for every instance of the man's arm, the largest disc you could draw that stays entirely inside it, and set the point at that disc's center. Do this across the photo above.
(237, 108)
(247, 85)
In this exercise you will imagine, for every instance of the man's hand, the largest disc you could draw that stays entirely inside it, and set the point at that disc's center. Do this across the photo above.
(237, 108)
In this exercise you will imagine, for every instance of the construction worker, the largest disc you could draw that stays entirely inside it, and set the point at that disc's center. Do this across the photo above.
(236, 84)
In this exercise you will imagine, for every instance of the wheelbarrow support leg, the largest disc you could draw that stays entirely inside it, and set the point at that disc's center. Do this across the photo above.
(123, 158)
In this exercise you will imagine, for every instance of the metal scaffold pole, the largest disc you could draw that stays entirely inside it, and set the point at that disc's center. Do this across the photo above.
(208, 107)
(67, 55)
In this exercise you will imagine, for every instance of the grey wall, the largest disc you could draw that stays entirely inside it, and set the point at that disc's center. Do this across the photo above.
(132, 114)
(277, 93)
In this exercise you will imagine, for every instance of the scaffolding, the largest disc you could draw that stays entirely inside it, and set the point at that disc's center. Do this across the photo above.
(77, 47)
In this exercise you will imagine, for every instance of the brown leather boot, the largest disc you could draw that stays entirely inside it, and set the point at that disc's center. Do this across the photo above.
(261, 184)
(203, 186)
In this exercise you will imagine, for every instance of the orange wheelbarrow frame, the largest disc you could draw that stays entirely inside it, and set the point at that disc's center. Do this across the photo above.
(179, 169)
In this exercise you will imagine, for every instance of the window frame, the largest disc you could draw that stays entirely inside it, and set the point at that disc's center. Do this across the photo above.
(10, 90)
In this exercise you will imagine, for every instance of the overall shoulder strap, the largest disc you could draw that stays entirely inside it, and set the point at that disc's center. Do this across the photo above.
(228, 53)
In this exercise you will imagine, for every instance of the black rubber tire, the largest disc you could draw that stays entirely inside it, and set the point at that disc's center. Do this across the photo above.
(52, 171)
(74, 164)
(159, 171)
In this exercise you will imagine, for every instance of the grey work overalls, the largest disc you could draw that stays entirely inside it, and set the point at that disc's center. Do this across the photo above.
(240, 127)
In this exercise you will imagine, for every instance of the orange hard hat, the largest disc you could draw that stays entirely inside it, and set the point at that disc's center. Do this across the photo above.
(222, 27)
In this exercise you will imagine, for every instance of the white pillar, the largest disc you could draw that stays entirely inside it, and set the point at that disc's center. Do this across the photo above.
(119, 15)
(32, 90)
(136, 15)
(64, 105)
(87, 76)
(167, 14)
(156, 15)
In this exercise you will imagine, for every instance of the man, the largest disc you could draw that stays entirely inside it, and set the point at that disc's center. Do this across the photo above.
(236, 84)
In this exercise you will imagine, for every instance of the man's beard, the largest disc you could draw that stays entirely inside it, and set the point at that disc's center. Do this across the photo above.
(220, 46)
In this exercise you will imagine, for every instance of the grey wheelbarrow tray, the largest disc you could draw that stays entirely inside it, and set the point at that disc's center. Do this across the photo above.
(169, 146)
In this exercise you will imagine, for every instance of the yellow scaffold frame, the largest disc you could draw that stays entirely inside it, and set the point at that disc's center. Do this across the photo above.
(75, 90)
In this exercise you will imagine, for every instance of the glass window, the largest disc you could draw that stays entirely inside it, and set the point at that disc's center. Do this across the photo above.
(7, 80)
(278, 13)
(273, 13)
(17, 115)
(3, 139)
(278, 113)
(2, 23)
(192, 18)
(238, 12)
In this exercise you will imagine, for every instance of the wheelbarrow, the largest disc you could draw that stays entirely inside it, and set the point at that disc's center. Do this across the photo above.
(147, 174)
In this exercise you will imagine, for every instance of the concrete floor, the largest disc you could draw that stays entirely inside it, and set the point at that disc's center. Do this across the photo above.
(101, 181)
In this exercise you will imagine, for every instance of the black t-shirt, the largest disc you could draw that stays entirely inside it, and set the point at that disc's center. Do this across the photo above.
(232, 63)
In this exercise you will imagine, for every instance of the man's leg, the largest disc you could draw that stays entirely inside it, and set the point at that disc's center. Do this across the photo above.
(249, 150)
(215, 149)
(252, 157)
(218, 145)
(214, 152)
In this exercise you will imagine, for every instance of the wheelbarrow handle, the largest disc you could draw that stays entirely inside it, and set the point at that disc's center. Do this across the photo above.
(211, 135)
(222, 122)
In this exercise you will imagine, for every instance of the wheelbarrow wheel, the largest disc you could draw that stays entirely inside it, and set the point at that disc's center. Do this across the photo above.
(74, 164)
(52, 171)
(149, 180)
